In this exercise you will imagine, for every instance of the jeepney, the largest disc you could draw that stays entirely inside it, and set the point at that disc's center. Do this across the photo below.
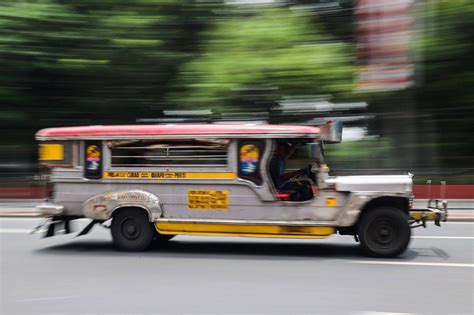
(153, 182)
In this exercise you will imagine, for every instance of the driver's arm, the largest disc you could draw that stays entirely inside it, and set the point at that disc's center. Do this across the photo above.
(293, 149)
(289, 175)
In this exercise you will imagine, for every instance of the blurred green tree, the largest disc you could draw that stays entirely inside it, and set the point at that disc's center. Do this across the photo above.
(87, 62)
(444, 96)
(431, 124)
(250, 61)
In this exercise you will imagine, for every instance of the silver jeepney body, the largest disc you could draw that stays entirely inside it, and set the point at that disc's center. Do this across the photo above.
(166, 196)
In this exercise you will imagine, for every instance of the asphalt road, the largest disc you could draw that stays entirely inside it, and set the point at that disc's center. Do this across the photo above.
(234, 275)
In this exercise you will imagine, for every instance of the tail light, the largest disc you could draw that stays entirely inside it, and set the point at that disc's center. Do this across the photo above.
(283, 196)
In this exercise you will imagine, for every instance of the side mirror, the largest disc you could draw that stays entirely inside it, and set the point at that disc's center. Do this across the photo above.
(331, 132)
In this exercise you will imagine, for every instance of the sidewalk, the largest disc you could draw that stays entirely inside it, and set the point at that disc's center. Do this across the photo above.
(458, 210)
(19, 208)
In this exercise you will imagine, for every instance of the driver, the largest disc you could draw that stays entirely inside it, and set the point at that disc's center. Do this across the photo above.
(282, 180)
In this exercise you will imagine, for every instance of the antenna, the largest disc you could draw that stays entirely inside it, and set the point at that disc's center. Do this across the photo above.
(443, 189)
(429, 192)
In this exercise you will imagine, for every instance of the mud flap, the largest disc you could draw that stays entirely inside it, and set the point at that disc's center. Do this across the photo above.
(51, 227)
(67, 227)
(53, 224)
(51, 230)
(88, 228)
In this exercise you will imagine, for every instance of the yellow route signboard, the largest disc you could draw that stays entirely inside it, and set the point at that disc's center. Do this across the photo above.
(51, 152)
(208, 199)
(168, 175)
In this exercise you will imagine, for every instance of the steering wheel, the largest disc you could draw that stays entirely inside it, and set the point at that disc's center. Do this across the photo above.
(295, 178)
(311, 177)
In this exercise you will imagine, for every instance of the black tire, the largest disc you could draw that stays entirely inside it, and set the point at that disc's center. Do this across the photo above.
(131, 230)
(384, 232)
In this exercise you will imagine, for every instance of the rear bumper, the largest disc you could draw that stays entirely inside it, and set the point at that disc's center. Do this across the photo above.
(50, 209)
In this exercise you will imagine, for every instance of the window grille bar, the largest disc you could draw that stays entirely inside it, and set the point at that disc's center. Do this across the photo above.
(171, 165)
(172, 156)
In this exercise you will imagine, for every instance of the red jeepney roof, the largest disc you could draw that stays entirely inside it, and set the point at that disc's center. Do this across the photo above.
(139, 131)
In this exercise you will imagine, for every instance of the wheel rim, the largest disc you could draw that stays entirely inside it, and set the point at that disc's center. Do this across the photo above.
(130, 228)
(383, 233)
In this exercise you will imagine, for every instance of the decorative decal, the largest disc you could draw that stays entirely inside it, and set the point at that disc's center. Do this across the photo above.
(249, 159)
(92, 158)
(208, 199)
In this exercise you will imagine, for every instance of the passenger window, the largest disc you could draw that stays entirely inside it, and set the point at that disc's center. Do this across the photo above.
(174, 153)
(56, 154)
(249, 159)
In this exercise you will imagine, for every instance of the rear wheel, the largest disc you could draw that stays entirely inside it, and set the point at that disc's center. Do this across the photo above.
(131, 230)
(384, 232)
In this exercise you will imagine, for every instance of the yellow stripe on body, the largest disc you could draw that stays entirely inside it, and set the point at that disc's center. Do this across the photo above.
(168, 175)
(223, 175)
(251, 230)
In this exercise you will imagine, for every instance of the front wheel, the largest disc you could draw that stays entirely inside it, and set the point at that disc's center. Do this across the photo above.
(384, 232)
(131, 230)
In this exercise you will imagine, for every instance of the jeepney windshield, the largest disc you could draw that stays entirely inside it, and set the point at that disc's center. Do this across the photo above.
(297, 154)
(307, 153)
(292, 168)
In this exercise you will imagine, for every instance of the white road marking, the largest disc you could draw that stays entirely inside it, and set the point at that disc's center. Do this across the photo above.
(409, 263)
(446, 237)
(381, 313)
(49, 298)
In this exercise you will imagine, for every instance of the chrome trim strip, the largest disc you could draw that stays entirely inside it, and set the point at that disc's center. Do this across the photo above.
(248, 222)
(49, 209)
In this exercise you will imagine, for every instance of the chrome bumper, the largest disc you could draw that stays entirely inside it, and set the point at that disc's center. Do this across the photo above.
(50, 210)
(436, 211)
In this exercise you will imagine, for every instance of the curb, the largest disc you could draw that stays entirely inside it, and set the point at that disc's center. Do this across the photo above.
(20, 214)
(460, 217)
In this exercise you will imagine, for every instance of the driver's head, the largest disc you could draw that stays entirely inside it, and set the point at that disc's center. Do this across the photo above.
(282, 149)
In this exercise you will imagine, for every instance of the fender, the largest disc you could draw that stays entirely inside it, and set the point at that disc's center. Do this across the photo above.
(101, 207)
(358, 202)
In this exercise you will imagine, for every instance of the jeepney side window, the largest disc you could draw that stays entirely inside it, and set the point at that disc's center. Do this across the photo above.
(56, 154)
(250, 155)
(169, 153)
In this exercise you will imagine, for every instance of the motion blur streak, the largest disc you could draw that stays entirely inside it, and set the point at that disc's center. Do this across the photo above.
(397, 73)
